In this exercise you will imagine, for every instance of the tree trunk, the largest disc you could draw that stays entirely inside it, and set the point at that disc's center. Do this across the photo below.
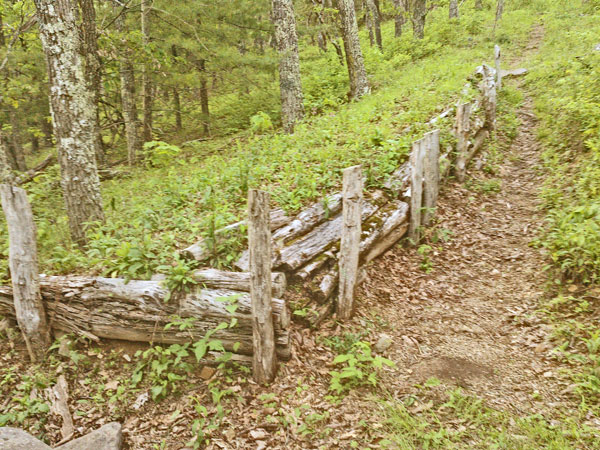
(264, 362)
(376, 22)
(359, 85)
(399, 16)
(453, 13)
(127, 76)
(479, 4)
(2, 39)
(292, 108)
(23, 264)
(499, 12)
(419, 14)
(176, 99)
(73, 114)
(93, 68)
(204, 97)
(146, 73)
(416, 190)
(16, 152)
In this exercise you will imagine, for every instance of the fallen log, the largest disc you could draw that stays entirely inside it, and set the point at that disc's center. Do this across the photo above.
(381, 226)
(201, 251)
(237, 281)
(34, 171)
(136, 311)
(477, 143)
(514, 72)
(313, 266)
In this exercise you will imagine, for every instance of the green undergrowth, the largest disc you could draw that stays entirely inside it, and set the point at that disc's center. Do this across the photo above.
(185, 192)
(435, 416)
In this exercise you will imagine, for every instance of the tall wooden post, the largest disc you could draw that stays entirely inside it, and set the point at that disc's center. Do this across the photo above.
(264, 360)
(431, 181)
(350, 242)
(23, 263)
(416, 190)
(463, 117)
(497, 55)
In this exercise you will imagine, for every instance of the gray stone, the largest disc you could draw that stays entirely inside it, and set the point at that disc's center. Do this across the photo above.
(107, 437)
(16, 439)
(383, 343)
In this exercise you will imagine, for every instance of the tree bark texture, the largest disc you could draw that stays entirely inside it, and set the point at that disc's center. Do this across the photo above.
(497, 56)
(176, 99)
(93, 67)
(264, 363)
(147, 86)
(416, 190)
(23, 264)
(73, 114)
(292, 107)
(204, 105)
(136, 311)
(419, 13)
(431, 179)
(359, 85)
(499, 12)
(350, 240)
(128, 103)
(453, 9)
(463, 118)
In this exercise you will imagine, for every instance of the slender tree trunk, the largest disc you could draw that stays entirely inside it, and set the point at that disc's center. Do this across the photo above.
(376, 21)
(46, 127)
(399, 17)
(23, 264)
(338, 51)
(15, 145)
(478, 4)
(127, 76)
(93, 68)
(369, 22)
(146, 74)
(73, 114)
(359, 85)
(499, 12)
(419, 14)
(292, 107)
(176, 99)
(204, 106)
(453, 11)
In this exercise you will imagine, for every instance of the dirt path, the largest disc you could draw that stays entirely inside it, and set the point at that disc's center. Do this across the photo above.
(470, 320)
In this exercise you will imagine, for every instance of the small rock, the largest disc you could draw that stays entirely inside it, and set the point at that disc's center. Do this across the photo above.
(207, 372)
(107, 437)
(383, 343)
(16, 439)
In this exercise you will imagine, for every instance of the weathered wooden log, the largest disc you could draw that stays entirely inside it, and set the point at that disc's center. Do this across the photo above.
(320, 239)
(327, 286)
(387, 220)
(398, 183)
(201, 251)
(264, 358)
(350, 240)
(477, 143)
(237, 281)
(136, 311)
(302, 223)
(514, 72)
(416, 190)
(23, 263)
(34, 172)
(431, 176)
(497, 55)
(310, 268)
(463, 127)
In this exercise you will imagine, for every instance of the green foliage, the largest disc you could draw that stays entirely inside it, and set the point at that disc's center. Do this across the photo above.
(27, 407)
(359, 368)
(161, 154)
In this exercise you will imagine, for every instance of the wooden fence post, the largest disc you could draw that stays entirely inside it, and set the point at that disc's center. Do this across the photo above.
(23, 264)
(431, 187)
(463, 117)
(264, 359)
(416, 190)
(497, 55)
(350, 241)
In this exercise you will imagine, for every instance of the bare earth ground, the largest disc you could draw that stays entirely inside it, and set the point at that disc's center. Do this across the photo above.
(469, 322)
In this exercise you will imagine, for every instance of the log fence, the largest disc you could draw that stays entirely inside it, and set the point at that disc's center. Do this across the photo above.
(324, 248)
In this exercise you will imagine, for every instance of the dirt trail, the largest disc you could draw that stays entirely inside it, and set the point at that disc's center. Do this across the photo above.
(470, 321)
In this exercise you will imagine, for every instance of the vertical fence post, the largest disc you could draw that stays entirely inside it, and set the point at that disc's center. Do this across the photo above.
(416, 190)
(23, 263)
(264, 360)
(431, 186)
(350, 241)
(463, 117)
(497, 55)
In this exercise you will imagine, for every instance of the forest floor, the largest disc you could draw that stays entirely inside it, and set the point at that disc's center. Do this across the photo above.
(460, 311)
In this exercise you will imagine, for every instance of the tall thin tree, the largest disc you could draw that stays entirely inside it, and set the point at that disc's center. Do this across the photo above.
(359, 85)
(376, 22)
(453, 9)
(146, 6)
(499, 12)
(419, 13)
(292, 107)
(400, 9)
(73, 114)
